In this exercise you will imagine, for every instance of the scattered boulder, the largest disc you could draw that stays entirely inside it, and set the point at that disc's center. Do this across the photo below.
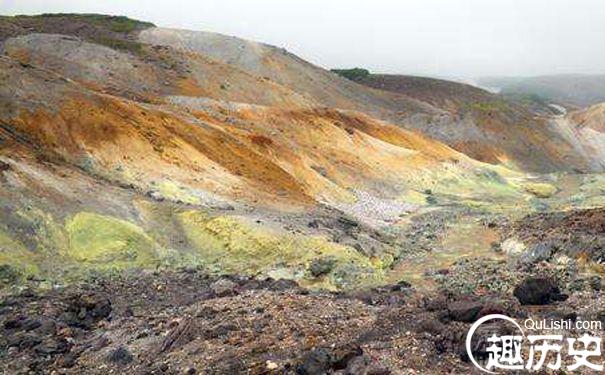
(31, 324)
(358, 365)
(401, 286)
(281, 285)
(155, 195)
(512, 246)
(341, 356)
(538, 291)
(464, 310)
(224, 288)
(50, 346)
(120, 356)
(85, 310)
(318, 361)
(348, 225)
(540, 190)
(541, 251)
(313, 224)
(436, 304)
(490, 308)
(4, 166)
(322, 360)
(432, 326)
(496, 247)
(322, 266)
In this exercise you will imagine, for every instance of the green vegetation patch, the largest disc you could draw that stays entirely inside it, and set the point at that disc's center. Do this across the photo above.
(228, 244)
(118, 24)
(106, 242)
(112, 31)
(355, 74)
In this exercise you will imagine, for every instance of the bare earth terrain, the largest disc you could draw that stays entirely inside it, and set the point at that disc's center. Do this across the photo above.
(185, 202)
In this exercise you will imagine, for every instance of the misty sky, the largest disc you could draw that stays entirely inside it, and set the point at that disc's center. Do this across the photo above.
(447, 38)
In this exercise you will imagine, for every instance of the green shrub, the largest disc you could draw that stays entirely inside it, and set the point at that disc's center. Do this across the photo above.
(118, 24)
(355, 74)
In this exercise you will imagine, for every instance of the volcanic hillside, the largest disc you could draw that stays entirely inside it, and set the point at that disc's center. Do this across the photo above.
(124, 144)
(169, 198)
(589, 124)
(117, 152)
(487, 127)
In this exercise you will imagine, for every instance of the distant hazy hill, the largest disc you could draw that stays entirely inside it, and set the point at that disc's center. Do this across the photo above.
(568, 90)
(439, 93)
(484, 125)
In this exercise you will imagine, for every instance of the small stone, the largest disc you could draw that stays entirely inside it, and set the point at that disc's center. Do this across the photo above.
(271, 365)
(318, 361)
(224, 287)
(512, 246)
(322, 266)
(120, 356)
(537, 253)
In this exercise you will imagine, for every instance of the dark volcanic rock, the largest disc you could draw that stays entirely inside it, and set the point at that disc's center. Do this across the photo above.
(224, 287)
(538, 291)
(322, 360)
(120, 356)
(283, 285)
(85, 310)
(322, 266)
(432, 326)
(464, 310)
(318, 361)
(52, 346)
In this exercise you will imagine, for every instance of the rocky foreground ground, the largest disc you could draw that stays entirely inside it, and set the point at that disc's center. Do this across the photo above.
(187, 322)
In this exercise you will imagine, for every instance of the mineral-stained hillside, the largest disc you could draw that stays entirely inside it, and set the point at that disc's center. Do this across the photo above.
(125, 142)
(191, 121)
(178, 202)
(487, 127)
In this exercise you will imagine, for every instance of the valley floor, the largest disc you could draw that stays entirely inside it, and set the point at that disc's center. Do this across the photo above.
(461, 264)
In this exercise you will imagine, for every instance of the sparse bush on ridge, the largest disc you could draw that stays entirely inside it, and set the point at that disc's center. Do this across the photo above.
(118, 24)
(115, 32)
(355, 74)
